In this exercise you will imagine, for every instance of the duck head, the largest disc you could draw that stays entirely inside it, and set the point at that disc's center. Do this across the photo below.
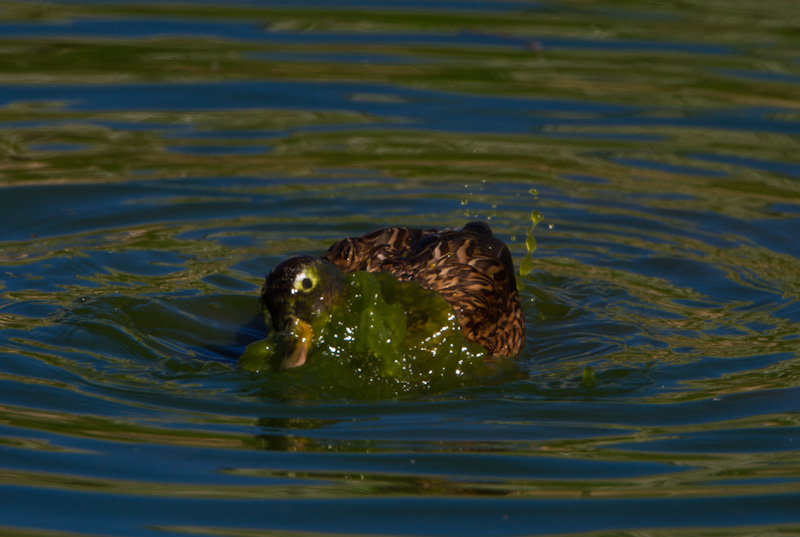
(300, 294)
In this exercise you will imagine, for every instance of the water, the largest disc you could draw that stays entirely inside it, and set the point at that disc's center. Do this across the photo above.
(156, 159)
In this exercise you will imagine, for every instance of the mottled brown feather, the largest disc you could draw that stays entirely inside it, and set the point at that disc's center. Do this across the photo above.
(469, 267)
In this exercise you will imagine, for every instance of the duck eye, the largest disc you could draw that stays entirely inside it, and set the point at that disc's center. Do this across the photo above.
(304, 281)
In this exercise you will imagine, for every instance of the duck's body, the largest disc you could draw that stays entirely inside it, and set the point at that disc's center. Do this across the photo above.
(469, 267)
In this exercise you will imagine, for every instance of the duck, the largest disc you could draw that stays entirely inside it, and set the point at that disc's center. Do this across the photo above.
(469, 267)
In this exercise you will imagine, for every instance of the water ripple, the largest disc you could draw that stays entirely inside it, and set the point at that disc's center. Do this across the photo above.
(156, 161)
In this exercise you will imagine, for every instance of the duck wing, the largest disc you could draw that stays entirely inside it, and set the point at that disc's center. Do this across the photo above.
(469, 267)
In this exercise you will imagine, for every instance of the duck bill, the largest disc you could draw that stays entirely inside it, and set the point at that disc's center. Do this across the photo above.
(303, 335)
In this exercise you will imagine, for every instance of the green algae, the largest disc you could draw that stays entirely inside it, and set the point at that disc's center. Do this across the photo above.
(385, 338)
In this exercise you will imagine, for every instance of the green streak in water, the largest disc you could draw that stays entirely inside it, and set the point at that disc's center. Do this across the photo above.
(589, 379)
(387, 339)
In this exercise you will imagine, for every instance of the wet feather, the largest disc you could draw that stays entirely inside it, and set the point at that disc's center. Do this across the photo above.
(469, 267)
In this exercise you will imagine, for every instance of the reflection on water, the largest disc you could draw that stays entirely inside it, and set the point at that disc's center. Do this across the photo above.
(157, 159)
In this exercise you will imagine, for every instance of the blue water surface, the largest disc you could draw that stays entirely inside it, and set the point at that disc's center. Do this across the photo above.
(157, 159)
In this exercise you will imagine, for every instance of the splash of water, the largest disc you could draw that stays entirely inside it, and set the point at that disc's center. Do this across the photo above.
(530, 243)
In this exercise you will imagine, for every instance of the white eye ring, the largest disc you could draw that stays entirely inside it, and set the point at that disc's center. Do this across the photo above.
(303, 282)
